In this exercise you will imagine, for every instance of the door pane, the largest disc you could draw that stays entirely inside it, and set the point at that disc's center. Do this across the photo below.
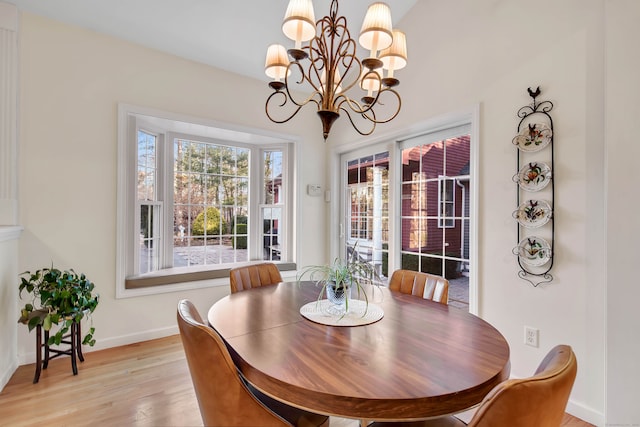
(435, 209)
(368, 222)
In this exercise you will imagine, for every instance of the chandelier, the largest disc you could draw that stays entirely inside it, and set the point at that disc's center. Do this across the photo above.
(329, 68)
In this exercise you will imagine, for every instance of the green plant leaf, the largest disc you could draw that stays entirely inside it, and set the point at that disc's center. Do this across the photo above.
(33, 322)
(46, 323)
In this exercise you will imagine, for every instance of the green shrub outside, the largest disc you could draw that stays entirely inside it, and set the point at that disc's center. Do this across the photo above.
(213, 223)
(240, 236)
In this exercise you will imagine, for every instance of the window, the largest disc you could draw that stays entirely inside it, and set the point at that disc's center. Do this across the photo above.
(194, 204)
(149, 209)
(446, 202)
(435, 214)
(272, 204)
(210, 203)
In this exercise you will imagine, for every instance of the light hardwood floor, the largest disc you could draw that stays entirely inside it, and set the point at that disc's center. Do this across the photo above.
(143, 384)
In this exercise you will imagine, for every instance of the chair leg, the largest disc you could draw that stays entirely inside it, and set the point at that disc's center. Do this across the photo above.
(36, 378)
(364, 423)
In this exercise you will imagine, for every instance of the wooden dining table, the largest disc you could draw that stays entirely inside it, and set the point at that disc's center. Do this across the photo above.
(422, 359)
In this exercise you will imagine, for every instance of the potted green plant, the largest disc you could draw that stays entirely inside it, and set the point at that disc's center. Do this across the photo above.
(57, 298)
(341, 277)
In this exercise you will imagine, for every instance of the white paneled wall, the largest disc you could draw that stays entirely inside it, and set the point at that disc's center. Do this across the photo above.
(9, 233)
(8, 107)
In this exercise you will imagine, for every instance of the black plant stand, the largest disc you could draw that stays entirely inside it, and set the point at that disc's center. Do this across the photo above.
(73, 339)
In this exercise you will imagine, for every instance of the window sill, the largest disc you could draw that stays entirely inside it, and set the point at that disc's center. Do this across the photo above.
(181, 279)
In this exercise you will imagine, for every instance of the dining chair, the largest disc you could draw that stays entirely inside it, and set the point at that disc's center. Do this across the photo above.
(224, 398)
(253, 276)
(425, 285)
(537, 401)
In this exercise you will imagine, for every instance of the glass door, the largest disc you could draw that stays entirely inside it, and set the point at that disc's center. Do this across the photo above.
(435, 209)
(408, 205)
(367, 209)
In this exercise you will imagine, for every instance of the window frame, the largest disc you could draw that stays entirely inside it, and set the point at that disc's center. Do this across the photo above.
(444, 220)
(285, 200)
(133, 118)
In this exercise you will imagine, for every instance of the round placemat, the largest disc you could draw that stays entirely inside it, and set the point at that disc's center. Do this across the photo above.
(359, 313)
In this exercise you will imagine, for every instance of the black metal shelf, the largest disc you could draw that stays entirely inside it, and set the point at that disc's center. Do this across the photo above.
(532, 115)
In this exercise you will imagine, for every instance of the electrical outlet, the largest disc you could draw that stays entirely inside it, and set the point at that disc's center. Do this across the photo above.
(531, 336)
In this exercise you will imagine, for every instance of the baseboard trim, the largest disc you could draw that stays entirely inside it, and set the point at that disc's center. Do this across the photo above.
(6, 375)
(104, 343)
(153, 334)
(585, 413)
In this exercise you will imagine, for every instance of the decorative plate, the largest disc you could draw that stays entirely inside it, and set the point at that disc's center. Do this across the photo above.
(534, 251)
(533, 137)
(533, 176)
(533, 213)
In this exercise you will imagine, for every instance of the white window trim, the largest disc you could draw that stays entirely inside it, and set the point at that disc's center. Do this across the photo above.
(126, 192)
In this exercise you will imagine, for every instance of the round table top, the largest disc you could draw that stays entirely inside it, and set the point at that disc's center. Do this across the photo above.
(422, 359)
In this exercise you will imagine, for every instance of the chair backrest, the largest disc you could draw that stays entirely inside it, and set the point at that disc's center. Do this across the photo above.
(223, 398)
(253, 276)
(536, 401)
(425, 285)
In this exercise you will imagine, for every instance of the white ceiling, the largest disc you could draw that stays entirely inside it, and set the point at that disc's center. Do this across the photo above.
(232, 35)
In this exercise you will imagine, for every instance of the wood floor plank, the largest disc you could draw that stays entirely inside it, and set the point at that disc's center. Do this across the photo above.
(143, 385)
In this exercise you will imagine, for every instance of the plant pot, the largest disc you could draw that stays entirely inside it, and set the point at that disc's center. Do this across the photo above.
(338, 296)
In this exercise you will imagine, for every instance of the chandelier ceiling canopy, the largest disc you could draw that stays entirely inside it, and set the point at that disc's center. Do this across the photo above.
(323, 61)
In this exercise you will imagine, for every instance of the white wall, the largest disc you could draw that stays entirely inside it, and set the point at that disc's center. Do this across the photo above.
(71, 83)
(623, 227)
(468, 52)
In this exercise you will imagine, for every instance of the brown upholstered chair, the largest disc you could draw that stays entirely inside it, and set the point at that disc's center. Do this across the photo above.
(425, 285)
(253, 276)
(537, 401)
(224, 397)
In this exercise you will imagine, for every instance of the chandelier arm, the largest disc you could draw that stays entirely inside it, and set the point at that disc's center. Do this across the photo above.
(301, 81)
(282, 104)
(369, 113)
(309, 99)
(394, 115)
(346, 55)
(355, 126)
(315, 58)
(354, 105)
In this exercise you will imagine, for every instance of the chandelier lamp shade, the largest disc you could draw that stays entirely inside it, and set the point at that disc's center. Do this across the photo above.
(323, 62)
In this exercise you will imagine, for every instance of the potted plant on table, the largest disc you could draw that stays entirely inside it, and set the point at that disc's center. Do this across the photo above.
(340, 278)
(57, 298)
